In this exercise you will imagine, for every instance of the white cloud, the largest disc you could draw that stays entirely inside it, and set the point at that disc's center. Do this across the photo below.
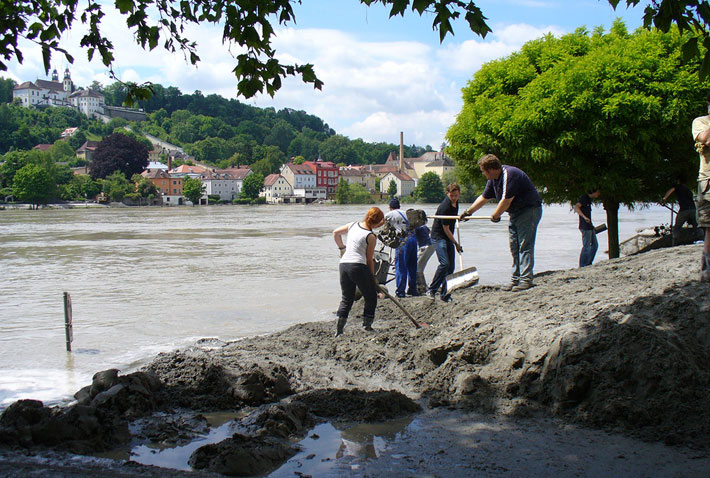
(373, 89)
(470, 55)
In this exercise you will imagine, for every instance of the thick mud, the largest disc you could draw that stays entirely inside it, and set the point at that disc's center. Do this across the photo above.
(622, 346)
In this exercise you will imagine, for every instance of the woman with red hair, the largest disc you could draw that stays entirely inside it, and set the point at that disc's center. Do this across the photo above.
(357, 267)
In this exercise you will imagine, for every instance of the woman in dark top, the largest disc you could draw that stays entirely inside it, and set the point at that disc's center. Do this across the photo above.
(442, 237)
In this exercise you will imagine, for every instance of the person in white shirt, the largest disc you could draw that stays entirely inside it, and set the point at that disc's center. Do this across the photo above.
(357, 267)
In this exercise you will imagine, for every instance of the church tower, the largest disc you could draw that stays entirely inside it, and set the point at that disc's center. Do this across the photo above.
(55, 75)
(68, 86)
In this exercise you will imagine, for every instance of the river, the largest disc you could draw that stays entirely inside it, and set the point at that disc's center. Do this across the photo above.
(147, 280)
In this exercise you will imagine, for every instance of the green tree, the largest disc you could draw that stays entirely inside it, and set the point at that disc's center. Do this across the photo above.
(342, 192)
(115, 186)
(33, 184)
(338, 149)
(252, 185)
(429, 188)
(145, 188)
(583, 111)
(81, 187)
(6, 87)
(392, 189)
(118, 152)
(193, 189)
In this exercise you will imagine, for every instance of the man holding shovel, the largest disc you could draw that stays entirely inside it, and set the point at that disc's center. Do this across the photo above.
(517, 195)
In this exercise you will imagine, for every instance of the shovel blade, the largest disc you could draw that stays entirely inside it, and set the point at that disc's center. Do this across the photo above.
(461, 279)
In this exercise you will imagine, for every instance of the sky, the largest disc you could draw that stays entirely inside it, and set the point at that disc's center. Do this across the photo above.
(382, 76)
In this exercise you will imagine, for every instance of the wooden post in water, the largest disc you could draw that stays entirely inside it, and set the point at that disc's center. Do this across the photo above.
(68, 327)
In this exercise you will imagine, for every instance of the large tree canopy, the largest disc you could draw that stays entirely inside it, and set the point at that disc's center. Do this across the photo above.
(586, 110)
(33, 184)
(118, 152)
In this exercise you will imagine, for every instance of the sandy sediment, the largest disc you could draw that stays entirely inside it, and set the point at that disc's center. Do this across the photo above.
(623, 345)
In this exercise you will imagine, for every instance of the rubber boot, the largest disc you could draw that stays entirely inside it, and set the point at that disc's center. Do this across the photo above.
(367, 323)
(341, 326)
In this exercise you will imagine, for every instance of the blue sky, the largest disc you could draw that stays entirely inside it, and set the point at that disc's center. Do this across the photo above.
(381, 75)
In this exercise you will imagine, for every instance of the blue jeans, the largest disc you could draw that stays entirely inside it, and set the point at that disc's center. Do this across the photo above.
(522, 230)
(406, 267)
(589, 247)
(445, 252)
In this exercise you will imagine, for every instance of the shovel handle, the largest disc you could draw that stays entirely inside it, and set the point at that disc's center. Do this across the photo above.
(384, 290)
(488, 218)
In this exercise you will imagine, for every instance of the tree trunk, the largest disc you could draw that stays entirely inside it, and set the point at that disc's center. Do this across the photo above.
(612, 224)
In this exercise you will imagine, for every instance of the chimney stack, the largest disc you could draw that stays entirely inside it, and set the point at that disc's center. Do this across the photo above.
(170, 162)
(401, 151)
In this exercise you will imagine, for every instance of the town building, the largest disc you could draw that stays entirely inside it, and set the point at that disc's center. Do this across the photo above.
(276, 190)
(358, 175)
(169, 186)
(86, 150)
(326, 175)
(43, 93)
(225, 183)
(405, 184)
(300, 176)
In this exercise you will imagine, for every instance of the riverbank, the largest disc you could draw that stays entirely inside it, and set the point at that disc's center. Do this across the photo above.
(620, 347)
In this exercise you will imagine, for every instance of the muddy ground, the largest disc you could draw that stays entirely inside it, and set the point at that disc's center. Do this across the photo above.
(622, 346)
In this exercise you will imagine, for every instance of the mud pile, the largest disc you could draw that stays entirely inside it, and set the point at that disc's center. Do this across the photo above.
(622, 345)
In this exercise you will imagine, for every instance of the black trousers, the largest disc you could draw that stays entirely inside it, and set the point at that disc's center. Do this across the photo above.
(353, 277)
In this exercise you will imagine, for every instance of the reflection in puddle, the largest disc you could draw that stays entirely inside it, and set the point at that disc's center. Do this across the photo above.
(328, 446)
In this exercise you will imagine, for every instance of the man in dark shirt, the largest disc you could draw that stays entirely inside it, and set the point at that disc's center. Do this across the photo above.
(589, 235)
(517, 195)
(442, 236)
(686, 207)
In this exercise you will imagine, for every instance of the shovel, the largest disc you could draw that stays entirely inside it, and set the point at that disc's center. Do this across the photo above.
(384, 290)
(464, 277)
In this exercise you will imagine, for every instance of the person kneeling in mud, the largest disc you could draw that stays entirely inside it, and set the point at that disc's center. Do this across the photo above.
(357, 267)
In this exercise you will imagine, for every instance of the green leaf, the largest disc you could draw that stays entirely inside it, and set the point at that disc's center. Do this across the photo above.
(124, 6)
(690, 49)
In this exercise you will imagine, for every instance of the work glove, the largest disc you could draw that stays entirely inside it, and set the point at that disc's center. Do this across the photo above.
(342, 251)
(495, 219)
(464, 215)
(459, 248)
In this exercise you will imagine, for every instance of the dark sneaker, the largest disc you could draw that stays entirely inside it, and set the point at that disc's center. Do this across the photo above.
(522, 286)
(400, 296)
(368, 328)
(431, 294)
(446, 298)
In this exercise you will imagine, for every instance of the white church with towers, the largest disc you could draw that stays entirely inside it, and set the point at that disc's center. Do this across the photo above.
(42, 93)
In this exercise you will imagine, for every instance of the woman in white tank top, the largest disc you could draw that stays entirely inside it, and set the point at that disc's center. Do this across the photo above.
(357, 268)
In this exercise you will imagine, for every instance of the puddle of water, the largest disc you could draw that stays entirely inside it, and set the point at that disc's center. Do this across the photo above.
(328, 446)
(331, 446)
